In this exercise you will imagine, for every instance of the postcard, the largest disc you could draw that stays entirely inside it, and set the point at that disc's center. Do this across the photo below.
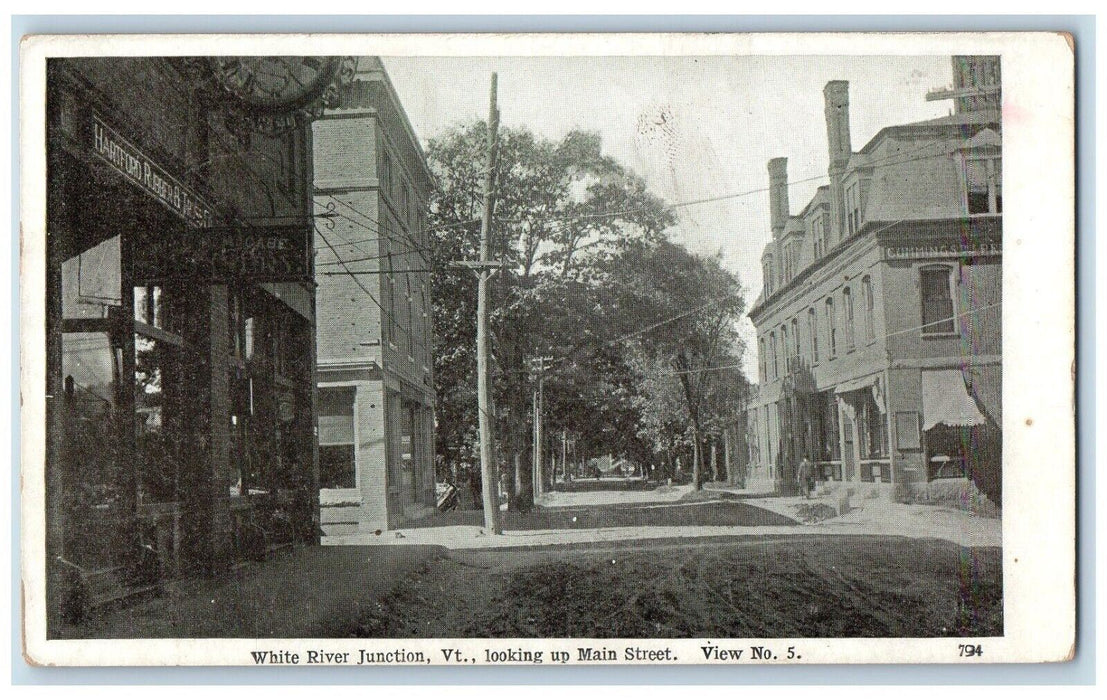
(364, 350)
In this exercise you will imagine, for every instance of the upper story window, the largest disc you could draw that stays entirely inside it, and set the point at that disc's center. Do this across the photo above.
(984, 184)
(775, 352)
(936, 288)
(831, 331)
(867, 300)
(386, 173)
(795, 338)
(813, 333)
(853, 208)
(785, 347)
(768, 274)
(818, 236)
(847, 310)
(761, 359)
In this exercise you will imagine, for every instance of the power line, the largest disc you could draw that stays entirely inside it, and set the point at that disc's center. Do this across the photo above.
(887, 160)
(374, 272)
(354, 260)
(357, 281)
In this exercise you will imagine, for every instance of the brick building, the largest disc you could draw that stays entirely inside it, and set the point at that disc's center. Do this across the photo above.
(879, 322)
(180, 321)
(375, 331)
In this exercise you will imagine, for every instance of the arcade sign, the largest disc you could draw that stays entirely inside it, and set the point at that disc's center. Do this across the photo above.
(225, 254)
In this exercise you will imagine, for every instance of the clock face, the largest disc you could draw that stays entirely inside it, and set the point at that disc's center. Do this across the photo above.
(264, 82)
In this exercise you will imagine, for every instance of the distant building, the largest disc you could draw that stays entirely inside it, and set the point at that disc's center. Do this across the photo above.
(374, 339)
(879, 323)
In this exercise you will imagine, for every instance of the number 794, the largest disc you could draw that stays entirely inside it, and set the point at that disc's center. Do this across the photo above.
(970, 650)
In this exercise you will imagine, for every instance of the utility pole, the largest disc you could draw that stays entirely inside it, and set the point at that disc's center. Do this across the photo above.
(485, 268)
(564, 464)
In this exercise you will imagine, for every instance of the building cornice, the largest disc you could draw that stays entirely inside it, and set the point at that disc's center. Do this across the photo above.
(985, 231)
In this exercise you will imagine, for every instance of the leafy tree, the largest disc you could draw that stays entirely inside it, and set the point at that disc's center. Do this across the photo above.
(562, 209)
(694, 353)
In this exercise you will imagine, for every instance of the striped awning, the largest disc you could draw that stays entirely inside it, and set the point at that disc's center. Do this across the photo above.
(946, 401)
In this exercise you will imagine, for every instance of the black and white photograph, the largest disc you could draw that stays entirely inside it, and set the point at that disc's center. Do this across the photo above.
(651, 355)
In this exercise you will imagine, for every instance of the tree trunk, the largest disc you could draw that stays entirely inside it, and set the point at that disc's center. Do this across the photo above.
(726, 456)
(513, 480)
(696, 457)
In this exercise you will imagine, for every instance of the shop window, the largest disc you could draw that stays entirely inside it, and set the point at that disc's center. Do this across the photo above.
(157, 419)
(94, 470)
(873, 439)
(936, 286)
(337, 453)
(409, 480)
(984, 185)
(150, 306)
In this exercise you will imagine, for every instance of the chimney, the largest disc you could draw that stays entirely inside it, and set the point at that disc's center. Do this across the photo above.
(978, 77)
(778, 194)
(836, 93)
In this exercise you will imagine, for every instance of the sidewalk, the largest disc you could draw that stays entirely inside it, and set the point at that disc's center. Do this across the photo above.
(302, 592)
(661, 494)
(867, 517)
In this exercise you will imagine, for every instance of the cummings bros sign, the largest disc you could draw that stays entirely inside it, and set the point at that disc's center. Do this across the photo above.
(134, 165)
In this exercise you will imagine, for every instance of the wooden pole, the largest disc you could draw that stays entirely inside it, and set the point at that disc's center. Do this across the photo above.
(487, 450)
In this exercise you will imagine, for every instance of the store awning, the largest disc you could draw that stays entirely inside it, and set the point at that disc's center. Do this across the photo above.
(946, 400)
(856, 384)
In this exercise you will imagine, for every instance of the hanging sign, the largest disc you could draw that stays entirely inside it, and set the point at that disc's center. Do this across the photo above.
(225, 254)
(130, 162)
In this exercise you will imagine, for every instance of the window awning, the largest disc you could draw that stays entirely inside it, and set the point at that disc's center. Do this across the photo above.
(946, 400)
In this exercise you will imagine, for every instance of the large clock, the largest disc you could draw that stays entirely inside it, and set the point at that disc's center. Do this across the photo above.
(266, 83)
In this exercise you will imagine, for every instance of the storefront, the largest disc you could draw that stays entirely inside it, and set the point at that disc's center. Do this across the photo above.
(180, 333)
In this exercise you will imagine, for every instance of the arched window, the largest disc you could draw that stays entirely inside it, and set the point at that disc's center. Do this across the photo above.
(761, 359)
(795, 338)
(831, 330)
(784, 346)
(776, 352)
(847, 308)
(813, 333)
(867, 299)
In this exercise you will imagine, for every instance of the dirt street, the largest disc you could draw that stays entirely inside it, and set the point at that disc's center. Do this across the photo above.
(761, 587)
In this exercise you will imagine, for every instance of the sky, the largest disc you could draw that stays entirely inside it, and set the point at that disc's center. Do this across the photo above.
(728, 115)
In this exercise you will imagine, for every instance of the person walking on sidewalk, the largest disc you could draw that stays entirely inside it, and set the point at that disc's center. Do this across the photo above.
(806, 477)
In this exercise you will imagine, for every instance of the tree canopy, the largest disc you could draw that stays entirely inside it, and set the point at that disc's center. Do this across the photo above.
(588, 269)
